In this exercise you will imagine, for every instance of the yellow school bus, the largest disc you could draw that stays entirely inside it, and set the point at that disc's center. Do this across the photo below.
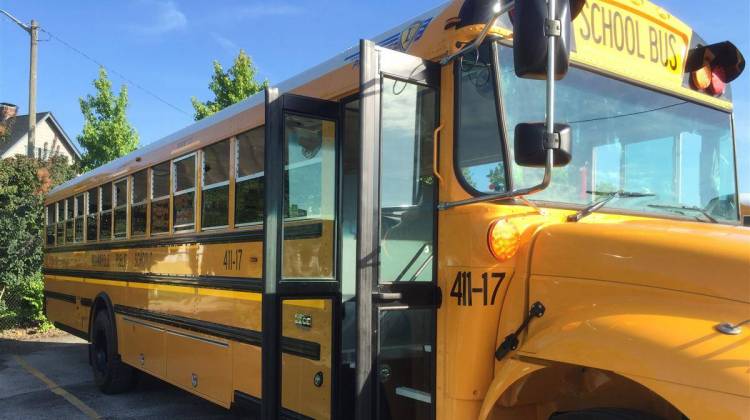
(394, 234)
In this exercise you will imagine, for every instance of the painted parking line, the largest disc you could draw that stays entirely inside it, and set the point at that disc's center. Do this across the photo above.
(52, 386)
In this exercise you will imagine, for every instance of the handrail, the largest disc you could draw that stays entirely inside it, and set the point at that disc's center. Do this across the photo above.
(435, 137)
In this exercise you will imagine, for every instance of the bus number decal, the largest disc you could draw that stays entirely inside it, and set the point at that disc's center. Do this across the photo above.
(233, 259)
(464, 291)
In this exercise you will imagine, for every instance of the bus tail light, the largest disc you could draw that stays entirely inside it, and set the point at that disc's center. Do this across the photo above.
(503, 239)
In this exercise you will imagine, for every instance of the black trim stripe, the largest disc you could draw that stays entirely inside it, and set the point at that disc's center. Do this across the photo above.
(313, 230)
(86, 302)
(293, 346)
(60, 296)
(240, 284)
(72, 331)
(249, 406)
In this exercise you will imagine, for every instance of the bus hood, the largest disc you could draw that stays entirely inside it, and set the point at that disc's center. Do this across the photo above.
(699, 258)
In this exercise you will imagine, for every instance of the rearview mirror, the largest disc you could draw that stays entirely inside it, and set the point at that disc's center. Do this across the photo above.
(530, 37)
(530, 145)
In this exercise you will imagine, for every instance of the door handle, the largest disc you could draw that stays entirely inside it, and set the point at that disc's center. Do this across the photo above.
(388, 296)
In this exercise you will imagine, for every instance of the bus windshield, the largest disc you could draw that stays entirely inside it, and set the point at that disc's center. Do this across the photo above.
(625, 138)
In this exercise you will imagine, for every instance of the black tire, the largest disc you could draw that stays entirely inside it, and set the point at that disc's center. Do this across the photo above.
(111, 375)
(603, 414)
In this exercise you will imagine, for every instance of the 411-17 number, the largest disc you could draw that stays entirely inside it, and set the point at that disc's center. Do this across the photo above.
(464, 291)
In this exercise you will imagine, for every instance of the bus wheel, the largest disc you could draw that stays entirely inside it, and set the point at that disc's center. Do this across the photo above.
(111, 375)
(603, 414)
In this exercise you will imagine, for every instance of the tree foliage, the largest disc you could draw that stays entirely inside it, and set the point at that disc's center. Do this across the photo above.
(23, 184)
(229, 87)
(107, 134)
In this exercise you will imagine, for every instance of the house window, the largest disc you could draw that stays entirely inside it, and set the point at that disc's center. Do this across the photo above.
(183, 187)
(215, 196)
(160, 198)
(121, 208)
(105, 212)
(138, 207)
(92, 217)
(248, 190)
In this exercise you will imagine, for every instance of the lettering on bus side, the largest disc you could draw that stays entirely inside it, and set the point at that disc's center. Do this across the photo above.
(100, 260)
(233, 259)
(470, 292)
(614, 29)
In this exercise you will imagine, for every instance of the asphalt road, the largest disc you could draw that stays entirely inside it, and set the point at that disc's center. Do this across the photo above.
(51, 379)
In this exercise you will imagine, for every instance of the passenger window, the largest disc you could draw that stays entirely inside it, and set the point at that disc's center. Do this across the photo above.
(215, 195)
(407, 190)
(121, 209)
(105, 216)
(184, 193)
(138, 207)
(69, 220)
(249, 193)
(60, 233)
(50, 226)
(160, 198)
(79, 219)
(93, 214)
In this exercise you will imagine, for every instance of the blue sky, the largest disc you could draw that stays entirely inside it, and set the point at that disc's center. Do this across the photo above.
(167, 46)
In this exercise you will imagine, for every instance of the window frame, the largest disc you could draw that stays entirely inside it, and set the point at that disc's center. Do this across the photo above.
(174, 193)
(125, 206)
(102, 211)
(95, 214)
(130, 197)
(208, 187)
(238, 179)
(79, 218)
(152, 199)
(493, 46)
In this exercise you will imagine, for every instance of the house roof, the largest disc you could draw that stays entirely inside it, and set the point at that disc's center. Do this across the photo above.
(21, 126)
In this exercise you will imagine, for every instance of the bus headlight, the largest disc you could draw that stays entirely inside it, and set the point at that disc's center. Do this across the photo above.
(503, 239)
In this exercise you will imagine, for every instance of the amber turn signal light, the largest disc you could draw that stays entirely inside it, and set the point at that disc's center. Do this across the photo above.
(503, 239)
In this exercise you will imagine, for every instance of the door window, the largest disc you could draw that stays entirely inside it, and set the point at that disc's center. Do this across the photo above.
(407, 186)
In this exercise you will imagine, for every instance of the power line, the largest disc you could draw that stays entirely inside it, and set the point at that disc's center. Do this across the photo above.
(115, 72)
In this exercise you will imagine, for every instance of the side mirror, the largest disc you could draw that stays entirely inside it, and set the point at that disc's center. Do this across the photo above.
(530, 145)
(530, 37)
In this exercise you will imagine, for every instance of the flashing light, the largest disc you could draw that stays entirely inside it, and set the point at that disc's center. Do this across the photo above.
(503, 239)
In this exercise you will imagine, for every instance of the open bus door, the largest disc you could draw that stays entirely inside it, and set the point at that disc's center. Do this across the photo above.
(301, 296)
(397, 295)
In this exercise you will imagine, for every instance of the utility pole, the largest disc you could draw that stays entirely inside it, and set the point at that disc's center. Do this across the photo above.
(32, 30)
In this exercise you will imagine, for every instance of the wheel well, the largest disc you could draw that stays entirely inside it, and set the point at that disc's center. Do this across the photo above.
(563, 387)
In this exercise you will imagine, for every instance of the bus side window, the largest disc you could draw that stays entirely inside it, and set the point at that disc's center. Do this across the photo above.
(69, 220)
(160, 198)
(105, 215)
(50, 227)
(249, 200)
(138, 207)
(183, 188)
(60, 205)
(92, 218)
(215, 194)
(79, 213)
(121, 208)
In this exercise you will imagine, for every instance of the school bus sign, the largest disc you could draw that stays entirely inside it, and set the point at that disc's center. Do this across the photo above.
(637, 42)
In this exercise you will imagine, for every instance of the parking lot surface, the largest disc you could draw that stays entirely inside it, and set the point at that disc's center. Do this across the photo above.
(49, 378)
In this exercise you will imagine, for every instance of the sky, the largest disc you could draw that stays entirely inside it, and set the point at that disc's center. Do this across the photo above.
(163, 49)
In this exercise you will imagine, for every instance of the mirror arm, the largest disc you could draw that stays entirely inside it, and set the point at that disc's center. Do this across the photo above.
(500, 10)
(509, 194)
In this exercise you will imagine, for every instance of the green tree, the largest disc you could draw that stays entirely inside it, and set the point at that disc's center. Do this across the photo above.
(107, 134)
(229, 87)
(23, 183)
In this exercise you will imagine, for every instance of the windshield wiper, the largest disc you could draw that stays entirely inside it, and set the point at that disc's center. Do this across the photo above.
(608, 196)
(680, 209)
